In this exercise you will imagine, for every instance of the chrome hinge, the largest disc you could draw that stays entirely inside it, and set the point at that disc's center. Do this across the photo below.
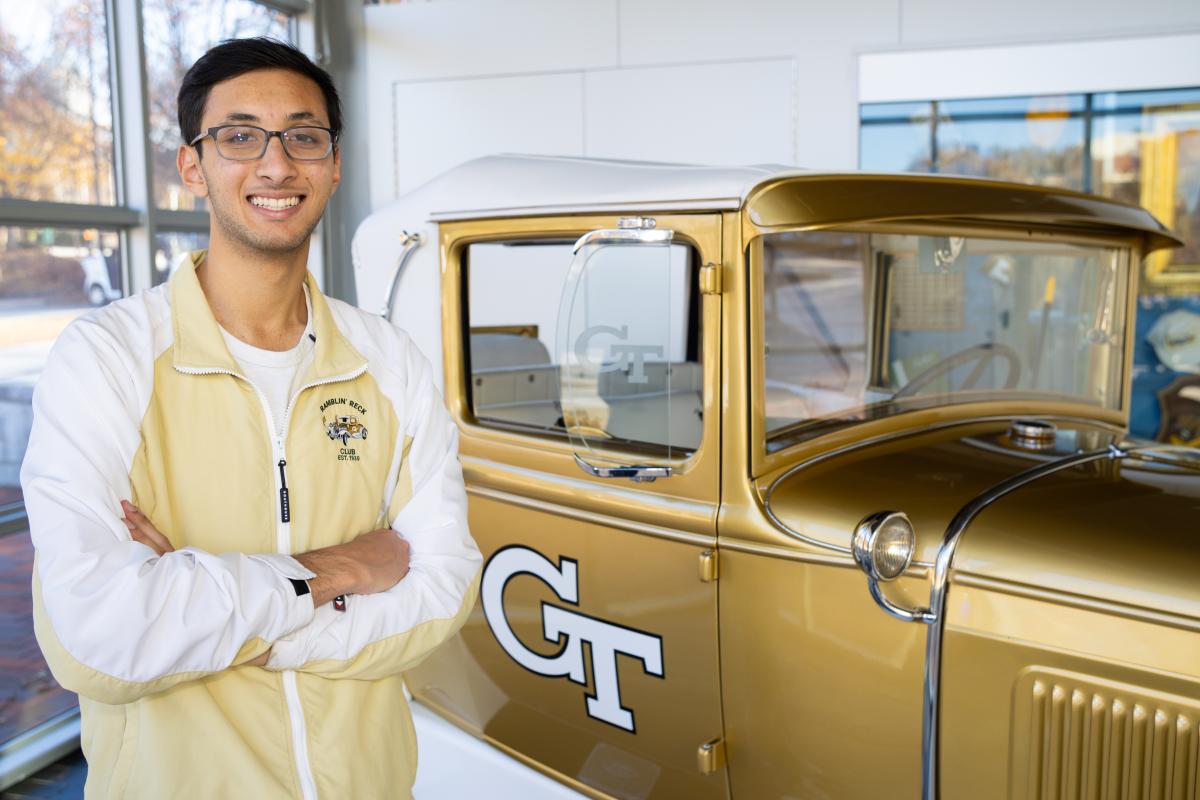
(711, 756)
(708, 566)
(637, 223)
(710, 279)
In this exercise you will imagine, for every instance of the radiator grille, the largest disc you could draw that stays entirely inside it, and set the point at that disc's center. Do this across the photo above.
(1081, 739)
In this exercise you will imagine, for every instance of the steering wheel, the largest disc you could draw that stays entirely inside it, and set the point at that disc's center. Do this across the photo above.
(983, 353)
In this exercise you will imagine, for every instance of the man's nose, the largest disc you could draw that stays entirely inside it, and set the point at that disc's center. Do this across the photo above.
(276, 165)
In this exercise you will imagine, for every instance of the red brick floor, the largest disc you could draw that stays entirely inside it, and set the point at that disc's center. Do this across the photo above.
(29, 695)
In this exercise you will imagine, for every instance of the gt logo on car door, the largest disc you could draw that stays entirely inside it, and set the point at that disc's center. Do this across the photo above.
(572, 628)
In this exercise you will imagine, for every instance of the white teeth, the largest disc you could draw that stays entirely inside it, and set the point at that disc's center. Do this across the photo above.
(275, 203)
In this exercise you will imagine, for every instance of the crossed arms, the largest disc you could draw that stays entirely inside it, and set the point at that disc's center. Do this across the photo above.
(118, 618)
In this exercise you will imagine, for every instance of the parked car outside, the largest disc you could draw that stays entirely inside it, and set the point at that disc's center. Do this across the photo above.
(800, 485)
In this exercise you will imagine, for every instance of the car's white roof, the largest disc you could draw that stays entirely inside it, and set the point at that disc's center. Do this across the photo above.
(521, 185)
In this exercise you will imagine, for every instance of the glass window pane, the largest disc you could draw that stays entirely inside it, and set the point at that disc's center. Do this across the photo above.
(177, 33)
(895, 137)
(56, 140)
(967, 319)
(29, 695)
(903, 147)
(1149, 155)
(514, 354)
(895, 112)
(48, 276)
(1044, 145)
(170, 247)
(1012, 106)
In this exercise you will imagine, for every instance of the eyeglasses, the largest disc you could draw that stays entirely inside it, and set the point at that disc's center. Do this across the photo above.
(248, 142)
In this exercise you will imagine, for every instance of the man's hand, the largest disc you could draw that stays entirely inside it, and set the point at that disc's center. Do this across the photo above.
(142, 531)
(372, 562)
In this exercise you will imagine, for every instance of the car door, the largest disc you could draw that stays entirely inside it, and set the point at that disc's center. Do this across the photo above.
(582, 363)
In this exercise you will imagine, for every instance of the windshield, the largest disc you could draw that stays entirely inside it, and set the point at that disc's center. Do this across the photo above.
(862, 325)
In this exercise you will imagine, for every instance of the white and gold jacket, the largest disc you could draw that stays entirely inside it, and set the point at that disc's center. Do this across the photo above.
(141, 400)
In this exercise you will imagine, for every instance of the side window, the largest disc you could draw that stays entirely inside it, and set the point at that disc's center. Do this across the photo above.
(630, 329)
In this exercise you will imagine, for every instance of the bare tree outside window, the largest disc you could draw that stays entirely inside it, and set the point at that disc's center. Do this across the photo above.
(56, 133)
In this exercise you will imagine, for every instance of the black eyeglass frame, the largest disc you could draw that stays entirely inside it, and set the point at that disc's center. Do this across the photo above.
(267, 141)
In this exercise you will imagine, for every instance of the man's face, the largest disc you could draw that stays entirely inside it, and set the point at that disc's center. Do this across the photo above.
(251, 201)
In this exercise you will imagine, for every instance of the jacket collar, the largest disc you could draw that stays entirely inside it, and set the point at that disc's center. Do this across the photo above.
(199, 346)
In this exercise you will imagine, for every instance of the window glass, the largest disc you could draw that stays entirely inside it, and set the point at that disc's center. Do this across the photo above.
(170, 247)
(56, 133)
(1041, 142)
(48, 276)
(896, 137)
(1147, 152)
(177, 33)
(859, 326)
(29, 695)
(641, 331)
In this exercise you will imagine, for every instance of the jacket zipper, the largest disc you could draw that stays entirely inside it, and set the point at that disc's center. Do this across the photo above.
(283, 542)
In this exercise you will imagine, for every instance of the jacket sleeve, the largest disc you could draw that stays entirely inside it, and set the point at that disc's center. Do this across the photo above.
(114, 620)
(389, 632)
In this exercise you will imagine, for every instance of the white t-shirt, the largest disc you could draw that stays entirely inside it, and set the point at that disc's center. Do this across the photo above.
(276, 373)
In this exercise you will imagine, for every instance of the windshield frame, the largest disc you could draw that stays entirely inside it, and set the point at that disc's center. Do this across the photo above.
(784, 445)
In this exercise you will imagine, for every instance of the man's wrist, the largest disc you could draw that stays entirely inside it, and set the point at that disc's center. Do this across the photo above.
(335, 575)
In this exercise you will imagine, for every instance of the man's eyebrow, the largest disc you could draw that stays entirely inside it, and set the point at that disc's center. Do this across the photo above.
(242, 116)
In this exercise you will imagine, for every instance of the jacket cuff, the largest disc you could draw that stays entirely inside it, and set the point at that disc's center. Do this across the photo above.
(298, 609)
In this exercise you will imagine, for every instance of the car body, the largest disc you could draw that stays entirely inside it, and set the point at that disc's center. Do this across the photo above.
(101, 277)
(794, 484)
(346, 428)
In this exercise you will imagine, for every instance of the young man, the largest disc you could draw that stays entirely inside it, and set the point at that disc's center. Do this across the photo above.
(189, 439)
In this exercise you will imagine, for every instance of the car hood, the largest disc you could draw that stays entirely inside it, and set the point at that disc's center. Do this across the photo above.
(1118, 530)
(929, 475)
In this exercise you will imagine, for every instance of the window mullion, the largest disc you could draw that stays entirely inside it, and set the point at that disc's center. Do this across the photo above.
(132, 120)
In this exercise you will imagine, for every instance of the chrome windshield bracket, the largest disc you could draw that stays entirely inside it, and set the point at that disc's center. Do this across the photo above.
(409, 243)
(641, 474)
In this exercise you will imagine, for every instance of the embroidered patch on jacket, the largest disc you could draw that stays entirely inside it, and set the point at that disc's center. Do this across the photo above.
(345, 426)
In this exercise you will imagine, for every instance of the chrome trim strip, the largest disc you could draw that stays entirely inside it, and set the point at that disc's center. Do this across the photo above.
(937, 599)
(410, 242)
(38, 748)
(886, 437)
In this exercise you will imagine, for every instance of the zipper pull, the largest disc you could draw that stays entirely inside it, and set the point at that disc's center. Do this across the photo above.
(285, 512)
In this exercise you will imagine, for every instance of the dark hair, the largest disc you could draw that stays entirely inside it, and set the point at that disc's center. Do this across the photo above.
(234, 57)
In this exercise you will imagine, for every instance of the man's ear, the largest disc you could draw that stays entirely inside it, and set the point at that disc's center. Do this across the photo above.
(337, 168)
(187, 161)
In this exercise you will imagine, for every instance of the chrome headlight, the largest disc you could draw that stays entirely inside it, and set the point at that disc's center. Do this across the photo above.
(883, 545)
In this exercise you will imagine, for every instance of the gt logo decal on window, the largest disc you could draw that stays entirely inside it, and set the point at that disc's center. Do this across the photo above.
(569, 628)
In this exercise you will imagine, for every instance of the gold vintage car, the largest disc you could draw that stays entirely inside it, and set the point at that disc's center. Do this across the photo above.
(346, 428)
(801, 485)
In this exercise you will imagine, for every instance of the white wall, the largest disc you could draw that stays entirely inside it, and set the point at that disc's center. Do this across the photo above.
(723, 81)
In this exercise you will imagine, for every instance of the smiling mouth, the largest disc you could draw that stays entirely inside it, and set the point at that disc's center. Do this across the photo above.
(276, 203)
